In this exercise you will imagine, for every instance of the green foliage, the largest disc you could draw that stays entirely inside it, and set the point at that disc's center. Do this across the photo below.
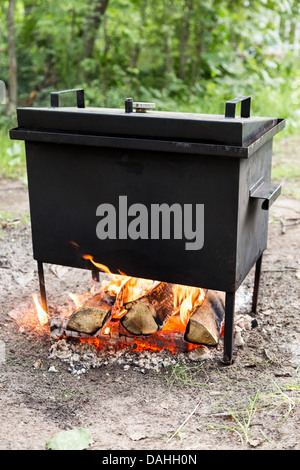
(12, 154)
(183, 49)
(186, 55)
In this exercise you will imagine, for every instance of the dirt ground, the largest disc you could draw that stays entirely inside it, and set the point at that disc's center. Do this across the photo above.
(185, 405)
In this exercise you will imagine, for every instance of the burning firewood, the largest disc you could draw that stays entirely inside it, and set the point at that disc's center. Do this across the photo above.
(98, 310)
(87, 320)
(146, 315)
(205, 321)
(94, 314)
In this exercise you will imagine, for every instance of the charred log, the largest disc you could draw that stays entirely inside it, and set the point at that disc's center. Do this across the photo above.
(93, 316)
(205, 322)
(147, 315)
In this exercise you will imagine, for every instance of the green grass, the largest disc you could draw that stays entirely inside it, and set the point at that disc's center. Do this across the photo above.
(242, 420)
(287, 396)
(12, 156)
(277, 405)
(286, 164)
(181, 374)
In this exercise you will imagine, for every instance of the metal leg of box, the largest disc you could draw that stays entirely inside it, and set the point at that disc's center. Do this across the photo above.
(42, 286)
(256, 284)
(229, 313)
(228, 328)
(95, 274)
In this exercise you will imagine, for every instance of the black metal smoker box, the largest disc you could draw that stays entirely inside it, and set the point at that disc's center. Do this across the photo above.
(175, 197)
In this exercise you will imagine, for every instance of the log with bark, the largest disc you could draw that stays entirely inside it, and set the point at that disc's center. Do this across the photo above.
(122, 297)
(147, 315)
(93, 315)
(97, 311)
(205, 322)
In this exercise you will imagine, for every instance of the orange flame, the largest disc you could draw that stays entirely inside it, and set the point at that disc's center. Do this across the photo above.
(42, 315)
(79, 299)
(102, 267)
(186, 299)
(133, 288)
(126, 288)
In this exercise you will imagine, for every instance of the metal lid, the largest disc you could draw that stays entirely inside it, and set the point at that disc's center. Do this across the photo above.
(146, 123)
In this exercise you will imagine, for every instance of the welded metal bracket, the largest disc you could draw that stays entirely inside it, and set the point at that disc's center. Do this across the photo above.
(268, 192)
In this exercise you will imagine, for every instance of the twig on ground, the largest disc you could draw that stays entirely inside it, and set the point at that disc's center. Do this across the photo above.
(285, 225)
(185, 421)
(286, 268)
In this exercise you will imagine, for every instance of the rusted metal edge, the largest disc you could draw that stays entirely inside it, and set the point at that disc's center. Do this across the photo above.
(144, 144)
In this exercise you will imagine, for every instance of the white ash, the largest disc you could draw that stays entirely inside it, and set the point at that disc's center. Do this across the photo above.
(82, 357)
(243, 299)
(242, 323)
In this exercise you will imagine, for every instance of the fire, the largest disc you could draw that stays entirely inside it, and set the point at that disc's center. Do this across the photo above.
(124, 289)
(42, 315)
(186, 299)
(102, 267)
(79, 299)
(132, 288)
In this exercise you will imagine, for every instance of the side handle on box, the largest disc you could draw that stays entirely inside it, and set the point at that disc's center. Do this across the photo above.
(267, 192)
(54, 97)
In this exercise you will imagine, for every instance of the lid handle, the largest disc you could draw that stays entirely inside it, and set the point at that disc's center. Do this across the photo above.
(139, 106)
(245, 107)
(54, 97)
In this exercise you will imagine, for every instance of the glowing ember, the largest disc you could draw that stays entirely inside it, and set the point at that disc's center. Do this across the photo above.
(186, 298)
(125, 289)
(42, 315)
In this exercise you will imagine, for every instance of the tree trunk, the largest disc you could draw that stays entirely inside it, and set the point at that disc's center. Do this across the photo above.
(93, 23)
(184, 37)
(13, 88)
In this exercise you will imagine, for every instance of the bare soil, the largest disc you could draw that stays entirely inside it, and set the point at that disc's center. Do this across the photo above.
(187, 405)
